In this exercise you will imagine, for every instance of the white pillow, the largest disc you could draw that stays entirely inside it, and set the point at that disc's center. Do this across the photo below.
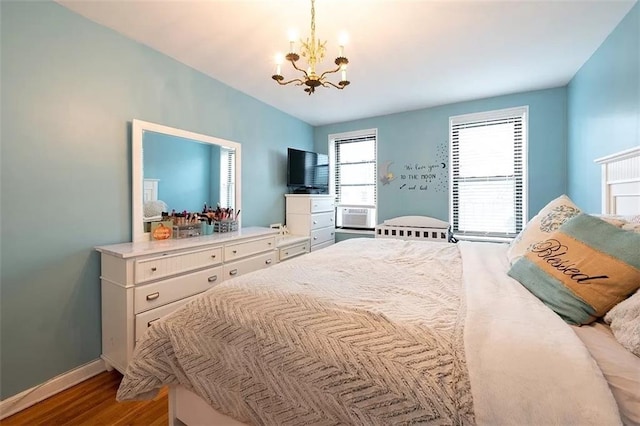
(154, 208)
(624, 319)
(548, 220)
(628, 223)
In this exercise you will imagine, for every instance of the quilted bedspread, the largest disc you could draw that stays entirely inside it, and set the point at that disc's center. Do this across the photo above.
(328, 338)
(377, 331)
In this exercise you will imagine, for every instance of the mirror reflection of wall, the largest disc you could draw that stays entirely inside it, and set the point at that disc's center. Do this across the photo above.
(188, 173)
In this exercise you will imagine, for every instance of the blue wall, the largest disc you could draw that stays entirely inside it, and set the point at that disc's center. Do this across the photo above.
(70, 89)
(421, 138)
(604, 109)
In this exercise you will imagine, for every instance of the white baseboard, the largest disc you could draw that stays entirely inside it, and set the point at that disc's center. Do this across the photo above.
(49, 388)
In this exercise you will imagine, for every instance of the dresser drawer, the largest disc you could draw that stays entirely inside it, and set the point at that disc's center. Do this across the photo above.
(240, 250)
(241, 267)
(322, 220)
(320, 236)
(171, 264)
(145, 319)
(293, 250)
(160, 293)
(322, 205)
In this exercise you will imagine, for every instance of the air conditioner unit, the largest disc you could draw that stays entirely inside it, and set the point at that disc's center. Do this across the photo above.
(356, 217)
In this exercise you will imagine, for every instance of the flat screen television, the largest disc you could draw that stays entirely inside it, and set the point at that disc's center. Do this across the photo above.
(307, 172)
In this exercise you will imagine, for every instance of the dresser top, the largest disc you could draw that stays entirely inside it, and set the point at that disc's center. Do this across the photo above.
(142, 248)
(309, 196)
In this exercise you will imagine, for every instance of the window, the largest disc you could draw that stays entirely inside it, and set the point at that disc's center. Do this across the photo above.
(227, 176)
(352, 159)
(488, 191)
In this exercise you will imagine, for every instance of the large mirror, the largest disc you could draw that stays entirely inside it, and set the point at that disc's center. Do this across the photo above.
(177, 170)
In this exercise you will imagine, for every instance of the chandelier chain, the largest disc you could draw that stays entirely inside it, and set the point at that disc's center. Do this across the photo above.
(313, 22)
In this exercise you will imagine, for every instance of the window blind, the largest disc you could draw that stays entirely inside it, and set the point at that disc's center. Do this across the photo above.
(488, 173)
(354, 169)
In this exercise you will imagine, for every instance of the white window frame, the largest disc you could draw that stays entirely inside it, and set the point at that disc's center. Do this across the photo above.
(332, 164)
(478, 118)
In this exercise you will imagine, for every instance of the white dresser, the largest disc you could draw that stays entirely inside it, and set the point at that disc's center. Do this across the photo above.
(313, 216)
(141, 282)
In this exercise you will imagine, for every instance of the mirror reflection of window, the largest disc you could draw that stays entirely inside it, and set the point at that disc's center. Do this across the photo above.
(227, 176)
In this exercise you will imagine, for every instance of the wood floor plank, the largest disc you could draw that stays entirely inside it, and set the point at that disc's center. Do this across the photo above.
(93, 403)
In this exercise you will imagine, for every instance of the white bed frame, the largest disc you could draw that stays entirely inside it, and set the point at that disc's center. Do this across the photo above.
(621, 182)
(620, 195)
(415, 228)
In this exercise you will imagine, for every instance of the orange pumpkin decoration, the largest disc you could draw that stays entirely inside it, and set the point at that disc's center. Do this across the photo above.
(162, 232)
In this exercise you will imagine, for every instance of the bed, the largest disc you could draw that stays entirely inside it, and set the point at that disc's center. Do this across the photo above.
(388, 331)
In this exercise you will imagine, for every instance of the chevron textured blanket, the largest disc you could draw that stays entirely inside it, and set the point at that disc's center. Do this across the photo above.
(330, 338)
(368, 331)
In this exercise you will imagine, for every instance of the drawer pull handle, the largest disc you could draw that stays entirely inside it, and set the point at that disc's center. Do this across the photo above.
(268, 261)
(315, 222)
(212, 278)
(233, 272)
(286, 253)
(213, 256)
(154, 269)
(235, 251)
(331, 219)
(153, 296)
(332, 233)
(151, 322)
(315, 238)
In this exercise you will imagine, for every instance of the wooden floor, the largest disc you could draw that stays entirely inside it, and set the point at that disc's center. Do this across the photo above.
(92, 403)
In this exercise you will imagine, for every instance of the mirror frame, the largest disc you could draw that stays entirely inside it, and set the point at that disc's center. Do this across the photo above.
(137, 172)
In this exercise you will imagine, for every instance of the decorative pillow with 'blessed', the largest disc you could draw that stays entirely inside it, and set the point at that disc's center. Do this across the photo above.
(583, 269)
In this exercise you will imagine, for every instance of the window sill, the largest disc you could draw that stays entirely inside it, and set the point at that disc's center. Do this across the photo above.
(506, 240)
(355, 231)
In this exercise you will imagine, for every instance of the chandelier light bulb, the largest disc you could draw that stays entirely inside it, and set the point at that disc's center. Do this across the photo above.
(343, 39)
(278, 60)
(293, 36)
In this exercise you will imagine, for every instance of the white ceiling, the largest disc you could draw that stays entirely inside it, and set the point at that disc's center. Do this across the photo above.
(404, 54)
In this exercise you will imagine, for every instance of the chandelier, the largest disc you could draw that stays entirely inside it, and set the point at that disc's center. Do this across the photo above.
(314, 51)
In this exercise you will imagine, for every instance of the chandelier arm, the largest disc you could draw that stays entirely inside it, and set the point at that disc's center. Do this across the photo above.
(293, 63)
(329, 72)
(324, 84)
(295, 80)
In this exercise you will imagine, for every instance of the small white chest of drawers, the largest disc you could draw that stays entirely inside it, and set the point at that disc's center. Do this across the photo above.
(290, 246)
(144, 281)
(313, 216)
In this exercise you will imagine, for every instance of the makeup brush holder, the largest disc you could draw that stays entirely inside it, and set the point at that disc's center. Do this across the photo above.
(225, 225)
